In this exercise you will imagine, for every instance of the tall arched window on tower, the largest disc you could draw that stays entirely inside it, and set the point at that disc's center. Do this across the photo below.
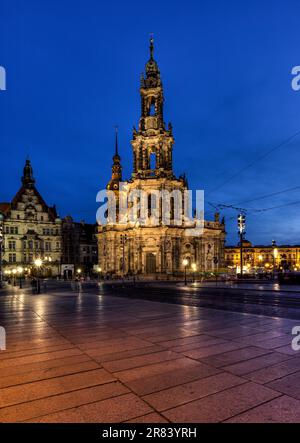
(151, 110)
(152, 161)
(172, 209)
(149, 205)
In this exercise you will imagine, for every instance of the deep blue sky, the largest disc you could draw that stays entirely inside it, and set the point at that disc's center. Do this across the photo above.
(73, 71)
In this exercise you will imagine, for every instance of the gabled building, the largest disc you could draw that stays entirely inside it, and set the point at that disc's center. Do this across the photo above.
(79, 247)
(31, 230)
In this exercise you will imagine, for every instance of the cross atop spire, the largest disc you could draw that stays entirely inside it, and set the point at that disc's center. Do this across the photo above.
(116, 146)
(152, 70)
(151, 47)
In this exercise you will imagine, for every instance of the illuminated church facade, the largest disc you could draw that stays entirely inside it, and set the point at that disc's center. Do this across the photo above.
(163, 249)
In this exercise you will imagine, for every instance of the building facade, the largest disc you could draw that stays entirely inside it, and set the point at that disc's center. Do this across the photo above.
(79, 247)
(163, 248)
(31, 230)
(280, 257)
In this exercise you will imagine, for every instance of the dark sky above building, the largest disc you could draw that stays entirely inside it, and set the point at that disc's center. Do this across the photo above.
(73, 71)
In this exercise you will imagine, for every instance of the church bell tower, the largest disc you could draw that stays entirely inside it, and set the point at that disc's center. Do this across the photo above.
(152, 144)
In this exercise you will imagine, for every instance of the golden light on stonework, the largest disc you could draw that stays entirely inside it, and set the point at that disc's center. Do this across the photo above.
(185, 262)
(194, 266)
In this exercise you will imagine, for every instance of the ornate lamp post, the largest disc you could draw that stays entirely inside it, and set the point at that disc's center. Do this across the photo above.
(185, 263)
(275, 255)
(38, 263)
(241, 232)
(78, 272)
(20, 272)
(8, 273)
(14, 271)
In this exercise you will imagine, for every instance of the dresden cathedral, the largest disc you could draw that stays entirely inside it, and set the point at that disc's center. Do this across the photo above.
(165, 248)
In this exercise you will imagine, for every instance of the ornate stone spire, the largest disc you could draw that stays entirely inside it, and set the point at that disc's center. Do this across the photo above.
(152, 142)
(116, 168)
(28, 179)
(116, 156)
(152, 71)
(151, 47)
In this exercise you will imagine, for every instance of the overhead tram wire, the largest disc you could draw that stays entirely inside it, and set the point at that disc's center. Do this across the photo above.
(254, 210)
(261, 157)
(273, 194)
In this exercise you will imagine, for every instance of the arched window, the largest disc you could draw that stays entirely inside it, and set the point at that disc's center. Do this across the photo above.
(152, 109)
(151, 106)
(172, 208)
(152, 160)
(149, 205)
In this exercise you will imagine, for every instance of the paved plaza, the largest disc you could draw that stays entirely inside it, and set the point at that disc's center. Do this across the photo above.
(101, 358)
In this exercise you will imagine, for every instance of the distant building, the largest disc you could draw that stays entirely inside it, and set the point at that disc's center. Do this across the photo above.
(31, 230)
(79, 247)
(282, 257)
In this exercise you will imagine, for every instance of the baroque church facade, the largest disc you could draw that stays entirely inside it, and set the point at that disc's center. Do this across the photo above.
(164, 249)
(31, 230)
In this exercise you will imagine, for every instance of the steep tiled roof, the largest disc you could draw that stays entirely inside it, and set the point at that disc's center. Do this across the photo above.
(4, 208)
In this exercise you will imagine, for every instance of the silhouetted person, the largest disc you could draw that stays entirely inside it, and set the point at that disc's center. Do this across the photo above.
(34, 285)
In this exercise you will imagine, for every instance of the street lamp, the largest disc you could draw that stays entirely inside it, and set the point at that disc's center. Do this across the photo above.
(275, 255)
(260, 259)
(241, 231)
(20, 272)
(38, 263)
(194, 267)
(99, 270)
(8, 273)
(185, 263)
(14, 271)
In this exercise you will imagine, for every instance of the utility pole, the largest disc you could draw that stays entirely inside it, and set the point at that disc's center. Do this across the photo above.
(241, 232)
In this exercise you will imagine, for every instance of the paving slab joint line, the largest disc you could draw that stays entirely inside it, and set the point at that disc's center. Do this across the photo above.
(68, 408)
(56, 395)
(111, 373)
(253, 407)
